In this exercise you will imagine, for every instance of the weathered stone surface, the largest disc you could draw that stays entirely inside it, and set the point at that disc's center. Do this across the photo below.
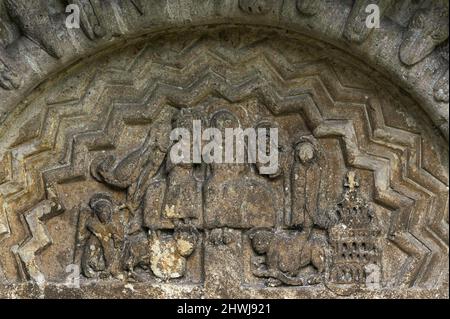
(358, 206)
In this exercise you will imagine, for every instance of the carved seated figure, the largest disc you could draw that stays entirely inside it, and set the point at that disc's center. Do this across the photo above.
(182, 196)
(104, 231)
(235, 196)
(287, 254)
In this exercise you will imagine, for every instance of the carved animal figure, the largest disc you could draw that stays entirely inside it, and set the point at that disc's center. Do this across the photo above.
(287, 253)
(136, 254)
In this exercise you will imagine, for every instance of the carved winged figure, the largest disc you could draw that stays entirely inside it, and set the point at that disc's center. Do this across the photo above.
(137, 169)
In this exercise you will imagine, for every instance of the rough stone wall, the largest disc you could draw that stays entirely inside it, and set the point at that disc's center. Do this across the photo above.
(76, 105)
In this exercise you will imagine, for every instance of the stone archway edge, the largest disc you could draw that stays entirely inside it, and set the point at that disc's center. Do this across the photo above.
(38, 44)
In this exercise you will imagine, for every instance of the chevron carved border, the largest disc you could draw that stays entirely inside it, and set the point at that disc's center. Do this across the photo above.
(262, 70)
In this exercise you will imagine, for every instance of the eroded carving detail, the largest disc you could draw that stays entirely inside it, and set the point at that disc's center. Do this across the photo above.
(354, 237)
(9, 79)
(110, 245)
(89, 21)
(427, 29)
(309, 7)
(322, 109)
(102, 232)
(4, 224)
(118, 238)
(169, 254)
(37, 24)
(356, 28)
(440, 89)
(297, 255)
(256, 6)
(39, 239)
(93, 15)
(285, 256)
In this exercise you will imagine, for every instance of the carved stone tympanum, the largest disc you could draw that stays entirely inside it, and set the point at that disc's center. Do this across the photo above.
(93, 203)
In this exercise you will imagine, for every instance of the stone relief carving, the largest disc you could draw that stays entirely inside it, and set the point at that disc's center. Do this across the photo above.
(427, 29)
(355, 28)
(308, 7)
(256, 6)
(114, 239)
(136, 219)
(89, 21)
(39, 239)
(118, 18)
(117, 238)
(93, 16)
(102, 234)
(441, 87)
(9, 79)
(37, 24)
(285, 254)
(110, 245)
(8, 30)
(297, 256)
(353, 237)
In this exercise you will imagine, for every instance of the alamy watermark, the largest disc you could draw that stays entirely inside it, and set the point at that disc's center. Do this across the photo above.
(73, 18)
(228, 145)
(373, 17)
(372, 20)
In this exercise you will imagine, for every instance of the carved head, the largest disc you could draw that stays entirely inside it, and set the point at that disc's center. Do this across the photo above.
(305, 152)
(224, 119)
(185, 119)
(102, 205)
(261, 240)
(427, 29)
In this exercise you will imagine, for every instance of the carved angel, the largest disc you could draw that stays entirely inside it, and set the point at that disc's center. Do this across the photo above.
(135, 172)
